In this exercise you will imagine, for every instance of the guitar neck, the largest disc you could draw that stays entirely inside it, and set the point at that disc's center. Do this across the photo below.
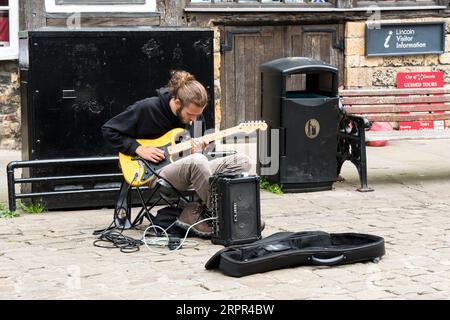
(183, 146)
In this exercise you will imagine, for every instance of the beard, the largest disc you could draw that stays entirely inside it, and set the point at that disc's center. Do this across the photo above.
(180, 117)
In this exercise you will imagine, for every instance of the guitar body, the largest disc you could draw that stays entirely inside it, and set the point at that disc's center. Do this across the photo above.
(135, 172)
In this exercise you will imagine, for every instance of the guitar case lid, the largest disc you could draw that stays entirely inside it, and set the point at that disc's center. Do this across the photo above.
(292, 249)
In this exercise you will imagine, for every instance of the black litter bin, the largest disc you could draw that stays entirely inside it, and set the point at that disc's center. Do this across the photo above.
(300, 98)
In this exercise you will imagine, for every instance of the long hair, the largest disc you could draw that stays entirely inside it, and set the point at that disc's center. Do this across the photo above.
(187, 89)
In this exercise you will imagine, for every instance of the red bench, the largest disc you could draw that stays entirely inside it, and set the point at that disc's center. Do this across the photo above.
(363, 107)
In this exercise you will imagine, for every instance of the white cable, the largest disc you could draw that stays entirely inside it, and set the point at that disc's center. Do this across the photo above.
(158, 240)
(153, 227)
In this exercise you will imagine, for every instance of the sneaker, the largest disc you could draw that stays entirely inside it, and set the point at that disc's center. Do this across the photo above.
(192, 213)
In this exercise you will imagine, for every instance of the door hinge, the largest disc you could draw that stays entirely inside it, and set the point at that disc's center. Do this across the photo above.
(228, 46)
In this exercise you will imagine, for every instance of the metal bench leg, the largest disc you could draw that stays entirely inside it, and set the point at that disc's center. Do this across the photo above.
(342, 156)
(360, 159)
(352, 146)
(362, 169)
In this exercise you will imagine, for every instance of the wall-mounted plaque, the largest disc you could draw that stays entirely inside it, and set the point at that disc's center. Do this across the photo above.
(388, 39)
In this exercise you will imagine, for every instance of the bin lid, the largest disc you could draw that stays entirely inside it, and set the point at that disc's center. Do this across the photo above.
(292, 65)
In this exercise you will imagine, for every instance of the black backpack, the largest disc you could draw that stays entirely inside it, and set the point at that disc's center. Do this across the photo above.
(165, 218)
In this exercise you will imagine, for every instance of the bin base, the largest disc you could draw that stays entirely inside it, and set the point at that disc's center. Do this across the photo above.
(306, 187)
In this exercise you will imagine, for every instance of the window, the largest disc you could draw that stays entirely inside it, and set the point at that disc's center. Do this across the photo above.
(9, 29)
(312, 3)
(65, 6)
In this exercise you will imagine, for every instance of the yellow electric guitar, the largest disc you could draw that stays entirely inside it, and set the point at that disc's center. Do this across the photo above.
(137, 172)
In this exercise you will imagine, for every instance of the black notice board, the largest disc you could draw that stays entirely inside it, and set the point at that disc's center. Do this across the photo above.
(389, 39)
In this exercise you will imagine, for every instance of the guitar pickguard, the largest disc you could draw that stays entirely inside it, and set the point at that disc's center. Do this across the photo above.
(147, 172)
(146, 169)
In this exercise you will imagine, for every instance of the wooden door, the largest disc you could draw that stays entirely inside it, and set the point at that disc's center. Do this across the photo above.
(240, 76)
(246, 48)
(321, 42)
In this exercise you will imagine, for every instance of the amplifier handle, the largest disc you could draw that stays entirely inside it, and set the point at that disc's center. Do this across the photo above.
(69, 94)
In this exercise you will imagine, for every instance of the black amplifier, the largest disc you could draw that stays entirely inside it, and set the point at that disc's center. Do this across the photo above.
(236, 204)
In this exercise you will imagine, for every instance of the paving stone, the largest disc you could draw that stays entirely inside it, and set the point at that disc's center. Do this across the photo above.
(51, 256)
(373, 294)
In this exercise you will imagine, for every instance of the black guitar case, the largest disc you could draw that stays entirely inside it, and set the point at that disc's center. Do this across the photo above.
(292, 249)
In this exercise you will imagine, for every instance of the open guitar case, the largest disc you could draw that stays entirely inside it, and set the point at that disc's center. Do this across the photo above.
(289, 249)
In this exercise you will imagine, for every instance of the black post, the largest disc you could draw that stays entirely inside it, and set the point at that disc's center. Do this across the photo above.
(11, 186)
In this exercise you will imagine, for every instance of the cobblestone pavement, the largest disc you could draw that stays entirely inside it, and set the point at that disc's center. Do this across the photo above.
(51, 255)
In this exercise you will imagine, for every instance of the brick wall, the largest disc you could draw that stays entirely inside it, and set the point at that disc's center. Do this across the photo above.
(367, 72)
(9, 106)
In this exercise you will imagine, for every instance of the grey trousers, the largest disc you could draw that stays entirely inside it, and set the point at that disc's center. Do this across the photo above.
(194, 172)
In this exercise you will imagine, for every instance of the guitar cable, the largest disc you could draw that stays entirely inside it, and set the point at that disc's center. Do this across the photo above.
(113, 224)
(115, 238)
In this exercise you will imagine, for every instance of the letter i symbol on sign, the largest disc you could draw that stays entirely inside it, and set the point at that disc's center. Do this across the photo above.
(386, 42)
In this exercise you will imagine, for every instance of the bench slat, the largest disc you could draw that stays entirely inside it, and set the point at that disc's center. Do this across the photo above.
(395, 100)
(407, 135)
(392, 108)
(382, 117)
(384, 105)
(392, 92)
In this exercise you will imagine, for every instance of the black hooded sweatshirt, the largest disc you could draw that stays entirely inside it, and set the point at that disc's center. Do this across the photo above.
(146, 119)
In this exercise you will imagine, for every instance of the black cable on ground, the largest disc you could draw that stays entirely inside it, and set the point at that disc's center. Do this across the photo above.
(116, 239)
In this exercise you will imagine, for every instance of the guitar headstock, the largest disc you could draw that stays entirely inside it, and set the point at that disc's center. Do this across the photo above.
(251, 126)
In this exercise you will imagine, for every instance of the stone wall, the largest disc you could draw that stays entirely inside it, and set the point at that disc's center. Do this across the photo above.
(217, 91)
(369, 72)
(9, 105)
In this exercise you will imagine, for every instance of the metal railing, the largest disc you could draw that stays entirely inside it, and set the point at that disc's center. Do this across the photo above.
(12, 180)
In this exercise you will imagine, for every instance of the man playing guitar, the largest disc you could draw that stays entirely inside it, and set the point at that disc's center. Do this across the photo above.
(178, 105)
